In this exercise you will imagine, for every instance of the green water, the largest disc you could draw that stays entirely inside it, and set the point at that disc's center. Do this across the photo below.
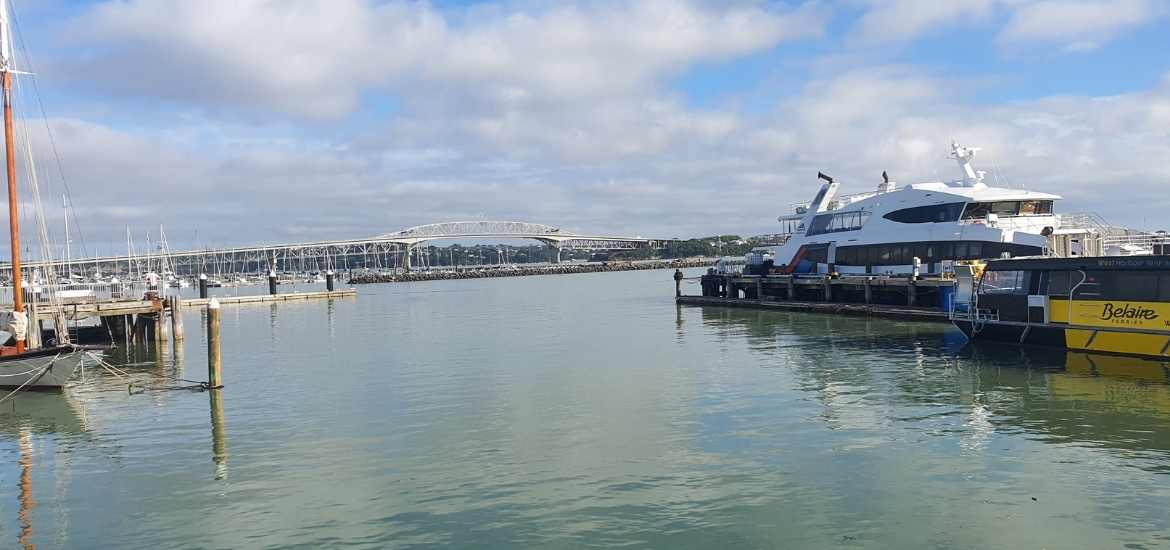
(590, 411)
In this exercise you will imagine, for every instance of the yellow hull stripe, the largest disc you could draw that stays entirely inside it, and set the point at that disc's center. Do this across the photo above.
(1118, 342)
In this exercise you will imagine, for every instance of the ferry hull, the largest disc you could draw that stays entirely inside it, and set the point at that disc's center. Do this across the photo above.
(1098, 340)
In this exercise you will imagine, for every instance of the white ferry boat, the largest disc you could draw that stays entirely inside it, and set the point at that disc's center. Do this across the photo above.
(891, 229)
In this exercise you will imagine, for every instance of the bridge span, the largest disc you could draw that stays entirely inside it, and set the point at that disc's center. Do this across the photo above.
(381, 251)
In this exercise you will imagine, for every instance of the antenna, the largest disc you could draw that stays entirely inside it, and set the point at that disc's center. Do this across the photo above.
(820, 175)
(885, 177)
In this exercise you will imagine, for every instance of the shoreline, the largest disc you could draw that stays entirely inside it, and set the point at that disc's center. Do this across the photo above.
(373, 278)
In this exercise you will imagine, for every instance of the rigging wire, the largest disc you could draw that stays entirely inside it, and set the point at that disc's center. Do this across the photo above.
(27, 57)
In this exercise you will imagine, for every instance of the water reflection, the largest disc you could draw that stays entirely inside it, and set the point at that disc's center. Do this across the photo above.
(219, 452)
(1057, 396)
(27, 504)
(24, 416)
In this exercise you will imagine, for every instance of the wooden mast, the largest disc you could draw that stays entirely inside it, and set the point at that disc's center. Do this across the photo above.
(10, 151)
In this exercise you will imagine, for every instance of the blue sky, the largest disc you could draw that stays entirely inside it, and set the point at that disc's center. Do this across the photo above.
(254, 121)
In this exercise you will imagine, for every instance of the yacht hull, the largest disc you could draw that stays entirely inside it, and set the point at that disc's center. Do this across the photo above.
(42, 369)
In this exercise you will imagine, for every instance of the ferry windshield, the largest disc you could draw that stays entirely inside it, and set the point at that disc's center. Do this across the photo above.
(979, 210)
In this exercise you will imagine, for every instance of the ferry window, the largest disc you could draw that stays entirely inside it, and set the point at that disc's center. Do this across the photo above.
(847, 256)
(922, 251)
(1164, 288)
(1008, 208)
(898, 255)
(934, 213)
(883, 256)
(1141, 287)
(1090, 288)
(818, 255)
(1058, 283)
(944, 251)
(1004, 282)
(980, 210)
(976, 210)
(1035, 207)
(838, 221)
(974, 250)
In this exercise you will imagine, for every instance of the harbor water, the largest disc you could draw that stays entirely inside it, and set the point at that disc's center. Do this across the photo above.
(583, 411)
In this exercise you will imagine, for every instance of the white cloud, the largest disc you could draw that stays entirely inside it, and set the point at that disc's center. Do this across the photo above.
(316, 58)
(904, 20)
(563, 115)
(1077, 24)
(686, 176)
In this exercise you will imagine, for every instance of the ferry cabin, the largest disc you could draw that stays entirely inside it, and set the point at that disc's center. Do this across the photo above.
(1101, 304)
(883, 231)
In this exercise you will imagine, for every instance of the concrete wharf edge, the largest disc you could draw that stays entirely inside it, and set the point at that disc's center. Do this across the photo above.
(870, 310)
(260, 298)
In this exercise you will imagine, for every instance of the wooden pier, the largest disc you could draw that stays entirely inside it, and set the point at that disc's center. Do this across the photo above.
(141, 321)
(133, 307)
(901, 297)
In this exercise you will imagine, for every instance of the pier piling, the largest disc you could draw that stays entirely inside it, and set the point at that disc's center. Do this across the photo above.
(272, 282)
(213, 358)
(177, 319)
(161, 334)
(203, 285)
(329, 280)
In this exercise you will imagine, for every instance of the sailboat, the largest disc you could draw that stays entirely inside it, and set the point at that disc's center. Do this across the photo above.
(46, 367)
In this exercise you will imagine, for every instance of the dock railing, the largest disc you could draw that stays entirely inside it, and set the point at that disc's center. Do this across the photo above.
(81, 293)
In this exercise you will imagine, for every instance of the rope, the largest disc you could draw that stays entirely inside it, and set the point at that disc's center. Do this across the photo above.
(34, 369)
(31, 379)
(132, 386)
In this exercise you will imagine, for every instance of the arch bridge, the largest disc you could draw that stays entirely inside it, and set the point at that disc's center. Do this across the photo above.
(381, 251)
(552, 236)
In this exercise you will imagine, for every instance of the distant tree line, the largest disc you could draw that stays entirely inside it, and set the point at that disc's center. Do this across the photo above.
(713, 246)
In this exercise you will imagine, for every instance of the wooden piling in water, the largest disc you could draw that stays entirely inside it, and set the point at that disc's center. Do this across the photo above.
(272, 283)
(912, 293)
(138, 335)
(203, 285)
(868, 291)
(213, 358)
(177, 319)
(161, 334)
(791, 289)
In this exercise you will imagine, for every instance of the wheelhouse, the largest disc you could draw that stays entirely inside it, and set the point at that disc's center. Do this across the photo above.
(1128, 291)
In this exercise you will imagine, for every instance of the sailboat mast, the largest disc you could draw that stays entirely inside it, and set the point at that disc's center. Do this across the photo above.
(6, 69)
(68, 248)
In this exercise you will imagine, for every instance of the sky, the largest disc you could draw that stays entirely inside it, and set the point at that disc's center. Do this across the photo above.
(260, 121)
